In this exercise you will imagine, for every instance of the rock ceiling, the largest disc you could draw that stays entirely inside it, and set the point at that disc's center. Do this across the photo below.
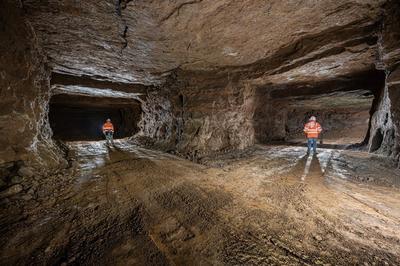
(266, 42)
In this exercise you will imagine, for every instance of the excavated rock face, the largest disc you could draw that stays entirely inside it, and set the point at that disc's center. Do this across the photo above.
(24, 83)
(158, 123)
(385, 130)
(211, 115)
(341, 106)
(136, 41)
(197, 78)
(217, 75)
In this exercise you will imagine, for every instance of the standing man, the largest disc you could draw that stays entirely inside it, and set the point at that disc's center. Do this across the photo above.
(108, 131)
(312, 130)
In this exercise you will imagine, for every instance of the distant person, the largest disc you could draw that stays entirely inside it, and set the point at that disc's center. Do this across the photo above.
(312, 130)
(108, 131)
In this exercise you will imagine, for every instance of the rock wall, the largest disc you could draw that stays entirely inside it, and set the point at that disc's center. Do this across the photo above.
(24, 83)
(215, 116)
(158, 125)
(278, 121)
(341, 126)
(385, 122)
(270, 118)
(195, 116)
(208, 66)
(393, 83)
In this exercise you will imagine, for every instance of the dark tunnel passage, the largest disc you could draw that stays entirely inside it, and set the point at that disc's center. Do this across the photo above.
(75, 118)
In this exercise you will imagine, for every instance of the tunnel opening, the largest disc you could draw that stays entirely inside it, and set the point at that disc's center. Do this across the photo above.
(78, 118)
(341, 126)
(343, 107)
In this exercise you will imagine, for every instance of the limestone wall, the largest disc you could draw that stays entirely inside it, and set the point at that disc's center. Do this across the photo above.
(25, 92)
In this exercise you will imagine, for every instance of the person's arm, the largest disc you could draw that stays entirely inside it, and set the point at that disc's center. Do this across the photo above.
(305, 130)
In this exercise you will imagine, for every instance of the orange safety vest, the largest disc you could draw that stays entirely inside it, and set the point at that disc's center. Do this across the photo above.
(108, 126)
(312, 129)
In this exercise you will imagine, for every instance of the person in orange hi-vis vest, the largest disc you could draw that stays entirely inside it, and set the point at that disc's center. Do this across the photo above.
(312, 130)
(108, 131)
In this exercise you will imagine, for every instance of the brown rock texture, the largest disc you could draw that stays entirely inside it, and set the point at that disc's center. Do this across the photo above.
(214, 116)
(218, 75)
(135, 206)
(205, 80)
(138, 41)
(385, 129)
(158, 123)
(340, 126)
(25, 92)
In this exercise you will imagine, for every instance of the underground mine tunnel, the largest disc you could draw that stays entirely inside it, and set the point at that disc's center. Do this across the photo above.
(343, 106)
(211, 104)
(82, 117)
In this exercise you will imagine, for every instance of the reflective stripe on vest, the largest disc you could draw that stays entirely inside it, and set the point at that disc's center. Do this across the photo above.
(108, 126)
(312, 129)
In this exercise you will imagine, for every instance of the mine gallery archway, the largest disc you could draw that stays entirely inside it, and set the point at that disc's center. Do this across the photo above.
(343, 107)
(75, 117)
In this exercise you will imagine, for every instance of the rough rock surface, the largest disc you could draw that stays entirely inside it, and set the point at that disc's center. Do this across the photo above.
(385, 130)
(132, 206)
(25, 92)
(199, 78)
(211, 73)
(214, 116)
(340, 126)
(142, 39)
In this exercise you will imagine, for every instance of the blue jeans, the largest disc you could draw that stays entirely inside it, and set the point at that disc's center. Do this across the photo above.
(109, 136)
(312, 143)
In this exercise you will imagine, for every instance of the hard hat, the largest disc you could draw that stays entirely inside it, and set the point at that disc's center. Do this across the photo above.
(108, 120)
(313, 118)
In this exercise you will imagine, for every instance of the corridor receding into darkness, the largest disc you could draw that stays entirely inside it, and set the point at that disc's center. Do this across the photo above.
(244, 132)
(81, 118)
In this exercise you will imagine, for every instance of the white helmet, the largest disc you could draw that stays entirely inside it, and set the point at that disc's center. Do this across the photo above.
(313, 118)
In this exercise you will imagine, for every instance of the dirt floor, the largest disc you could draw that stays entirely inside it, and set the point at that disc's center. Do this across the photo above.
(268, 205)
